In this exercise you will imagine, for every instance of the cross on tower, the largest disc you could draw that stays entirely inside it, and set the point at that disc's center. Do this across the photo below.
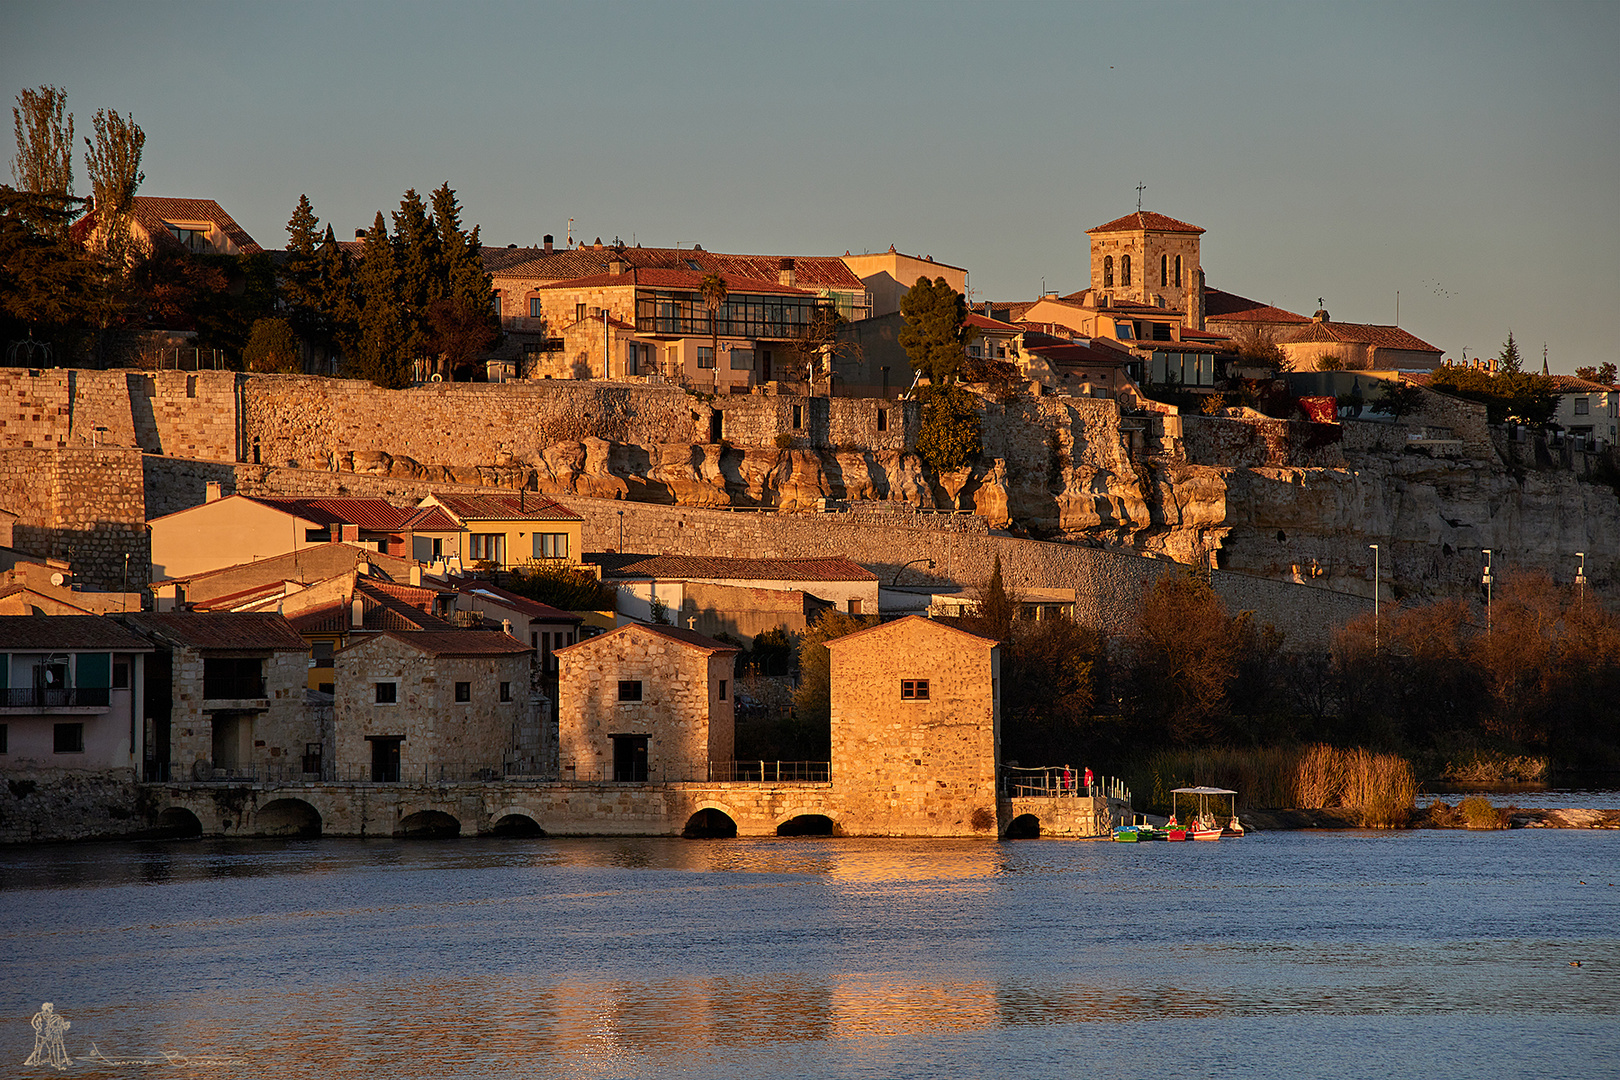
(1139, 189)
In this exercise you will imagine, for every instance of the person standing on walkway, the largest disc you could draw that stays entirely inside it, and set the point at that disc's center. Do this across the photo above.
(1088, 780)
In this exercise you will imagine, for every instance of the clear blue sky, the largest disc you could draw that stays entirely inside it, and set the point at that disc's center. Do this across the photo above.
(1467, 155)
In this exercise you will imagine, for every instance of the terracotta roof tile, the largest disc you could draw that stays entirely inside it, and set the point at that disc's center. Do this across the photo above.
(84, 633)
(459, 642)
(672, 633)
(370, 514)
(1227, 306)
(811, 272)
(534, 609)
(729, 568)
(984, 323)
(432, 519)
(525, 506)
(1571, 384)
(658, 278)
(1146, 220)
(218, 629)
(153, 212)
(1374, 334)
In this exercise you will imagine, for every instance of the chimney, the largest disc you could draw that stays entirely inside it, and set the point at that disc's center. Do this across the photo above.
(214, 491)
(785, 274)
(547, 242)
(359, 234)
(616, 265)
(350, 533)
(357, 613)
(416, 574)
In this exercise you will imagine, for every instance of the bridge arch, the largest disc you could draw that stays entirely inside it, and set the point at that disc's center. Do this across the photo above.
(177, 823)
(287, 817)
(711, 821)
(806, 822)
(428, 825)
(516, 823)
(1022, 827)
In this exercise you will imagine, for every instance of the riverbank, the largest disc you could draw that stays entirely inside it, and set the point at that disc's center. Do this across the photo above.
(1437, 815)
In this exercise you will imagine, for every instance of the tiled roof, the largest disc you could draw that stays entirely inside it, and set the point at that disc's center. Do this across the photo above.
(686, 637)
(658, 278)
(369, 514)
(1227, 306)
(1070, 355)
(460, 642)
(1146, 220)
(219, 629)
(534, 609)
(1571, 384)
(890, 626)
(433, 519)
(727, 568)
(984, 323)
(812, 272)
(383, 606)
(1374, 334)
(76, 633)
(1012, 310)
(309, 564)
(153, 212)
(524, 506)
(499, 258)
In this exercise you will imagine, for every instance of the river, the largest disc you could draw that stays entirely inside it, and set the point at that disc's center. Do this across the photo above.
(1343, 954)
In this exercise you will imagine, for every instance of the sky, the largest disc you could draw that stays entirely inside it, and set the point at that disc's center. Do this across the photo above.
(1463, 156)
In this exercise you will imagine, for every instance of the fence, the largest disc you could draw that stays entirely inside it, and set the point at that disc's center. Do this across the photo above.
(29, 697)
(480, 772)
(1058, 781)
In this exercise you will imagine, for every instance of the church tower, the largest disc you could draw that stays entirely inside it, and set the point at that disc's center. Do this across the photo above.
(1149, 259)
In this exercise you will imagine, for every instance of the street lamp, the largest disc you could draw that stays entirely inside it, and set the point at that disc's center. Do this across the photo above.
(1580, 578)
(913, 562)
(621, 532)
(1486, 581)
(1375, 595)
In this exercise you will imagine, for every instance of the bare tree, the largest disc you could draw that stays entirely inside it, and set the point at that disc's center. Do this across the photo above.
(44, 161)
(113, 161)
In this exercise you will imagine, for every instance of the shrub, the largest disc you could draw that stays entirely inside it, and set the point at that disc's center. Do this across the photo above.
(784, 441)
(272, 347)
(1478, 813)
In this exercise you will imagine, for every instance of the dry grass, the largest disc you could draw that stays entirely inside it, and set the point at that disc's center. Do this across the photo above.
(1484, 767)
(1379, 789)
(1478, 813)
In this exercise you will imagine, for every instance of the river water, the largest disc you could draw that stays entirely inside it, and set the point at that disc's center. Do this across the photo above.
(1350, 954)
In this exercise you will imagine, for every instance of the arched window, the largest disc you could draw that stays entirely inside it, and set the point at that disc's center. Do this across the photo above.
(1124, 269)
(1108, 271)
(1164, 270)
(1178, 271)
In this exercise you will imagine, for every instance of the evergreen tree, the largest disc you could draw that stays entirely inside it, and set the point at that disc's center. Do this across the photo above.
(1508, 362)
(381, 339)
(936, 333)
(949, 437)
(300, 274)
(44, 161)
(46, 287)
(334, 296)
(463, 321)
(272, 346)
(421, 274)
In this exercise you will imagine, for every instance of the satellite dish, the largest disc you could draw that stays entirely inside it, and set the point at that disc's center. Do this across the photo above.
(58, 578)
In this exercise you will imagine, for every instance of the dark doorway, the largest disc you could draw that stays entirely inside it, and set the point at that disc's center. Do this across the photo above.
(630, 758)
(385, 758)
(710, 824)
(806, 825)
(717, 426)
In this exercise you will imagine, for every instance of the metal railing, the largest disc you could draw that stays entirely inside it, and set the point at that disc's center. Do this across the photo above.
(715, 772)
(1058, 781)
(29, 697)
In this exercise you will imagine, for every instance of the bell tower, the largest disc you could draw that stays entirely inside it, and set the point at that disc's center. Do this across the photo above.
(1149, 259)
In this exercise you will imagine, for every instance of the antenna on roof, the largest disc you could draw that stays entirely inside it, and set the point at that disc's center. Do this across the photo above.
(1139, 189)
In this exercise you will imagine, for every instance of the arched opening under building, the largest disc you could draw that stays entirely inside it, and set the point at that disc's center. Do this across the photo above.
(806, 825)
(177, 823)
(428, 825)
(1023, 827)
(709, 824)
(516, 825)
(288, 817)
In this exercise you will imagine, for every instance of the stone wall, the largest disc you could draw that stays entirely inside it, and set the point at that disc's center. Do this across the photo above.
(1257, 443)
(79, 503)
(71, 806)
(271, 738)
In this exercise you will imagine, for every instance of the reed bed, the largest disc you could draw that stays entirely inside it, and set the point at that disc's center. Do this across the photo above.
(1380, 790)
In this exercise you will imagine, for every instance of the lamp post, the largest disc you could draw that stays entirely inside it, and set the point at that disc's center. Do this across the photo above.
(1580, 578)
(1375, 596)
(621, 532)
(1486, 581)
(913, 562)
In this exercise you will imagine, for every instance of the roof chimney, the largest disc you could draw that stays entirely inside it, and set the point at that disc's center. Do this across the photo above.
(214, 491)
(359, 234)
(547, 241)
(616, 265)
(357, 613)
(785, 273)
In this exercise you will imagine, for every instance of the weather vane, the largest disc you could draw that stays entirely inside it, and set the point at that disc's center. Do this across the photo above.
(1139, 189)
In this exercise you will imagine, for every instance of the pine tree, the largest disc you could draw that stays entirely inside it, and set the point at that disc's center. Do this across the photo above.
(301, 271)
(1509, 361)
(463, 321)
(936, 334)
(381, 339)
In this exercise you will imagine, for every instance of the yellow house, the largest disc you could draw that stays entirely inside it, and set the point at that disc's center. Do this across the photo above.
(501, 531)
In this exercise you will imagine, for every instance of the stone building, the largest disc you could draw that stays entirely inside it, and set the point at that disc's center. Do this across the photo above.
(916, 727)
(225, 696)
(436, 705)
(1356, 347)
(645, 703)
(669, 579)
(501, 530)
(1148, 259)
(71, 694)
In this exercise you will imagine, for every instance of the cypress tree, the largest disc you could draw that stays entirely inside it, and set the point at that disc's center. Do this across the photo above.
(419, 263)
(381, 339)
(936, 334)
(1508, 362)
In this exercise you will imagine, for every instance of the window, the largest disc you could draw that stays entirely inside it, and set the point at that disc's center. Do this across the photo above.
(722, 689)
(463, 691)
(742, 359)
(1581, 406)
(1164, 270)
(1108, 271)
(70, 738)
(798, 417)
(551, 545)
(388, 693)
(536, 310)
(629, 689)
(579, 312)
(1124, 269)
(883, 419)
(487, 547)
(1178, 272)
(385, 758)
(506, 691)
(233, 678)
(495, 301)
(120, 675)
(914, 690)
(3, 736)
(705, 356)
(854, 607)
(320, 654)
(316, 536)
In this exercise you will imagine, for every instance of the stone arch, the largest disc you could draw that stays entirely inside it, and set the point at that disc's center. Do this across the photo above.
(287, 817)
(1023, 827)
(710, 823)
(428, 825)
(516, 823)
(806, 823)
(177, 823)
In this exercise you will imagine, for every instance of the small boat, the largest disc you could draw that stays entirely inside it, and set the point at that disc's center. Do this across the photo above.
(1126, 834)
(1205, 825)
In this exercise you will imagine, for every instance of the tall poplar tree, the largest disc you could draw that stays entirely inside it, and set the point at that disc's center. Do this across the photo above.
(381, 338)
(44, 161)
(113, 161)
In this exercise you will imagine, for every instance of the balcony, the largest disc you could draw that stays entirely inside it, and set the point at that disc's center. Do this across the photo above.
(70, 699)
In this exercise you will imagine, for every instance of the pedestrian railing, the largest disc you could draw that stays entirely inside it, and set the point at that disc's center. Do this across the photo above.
(205, 773)
(1058, 781)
